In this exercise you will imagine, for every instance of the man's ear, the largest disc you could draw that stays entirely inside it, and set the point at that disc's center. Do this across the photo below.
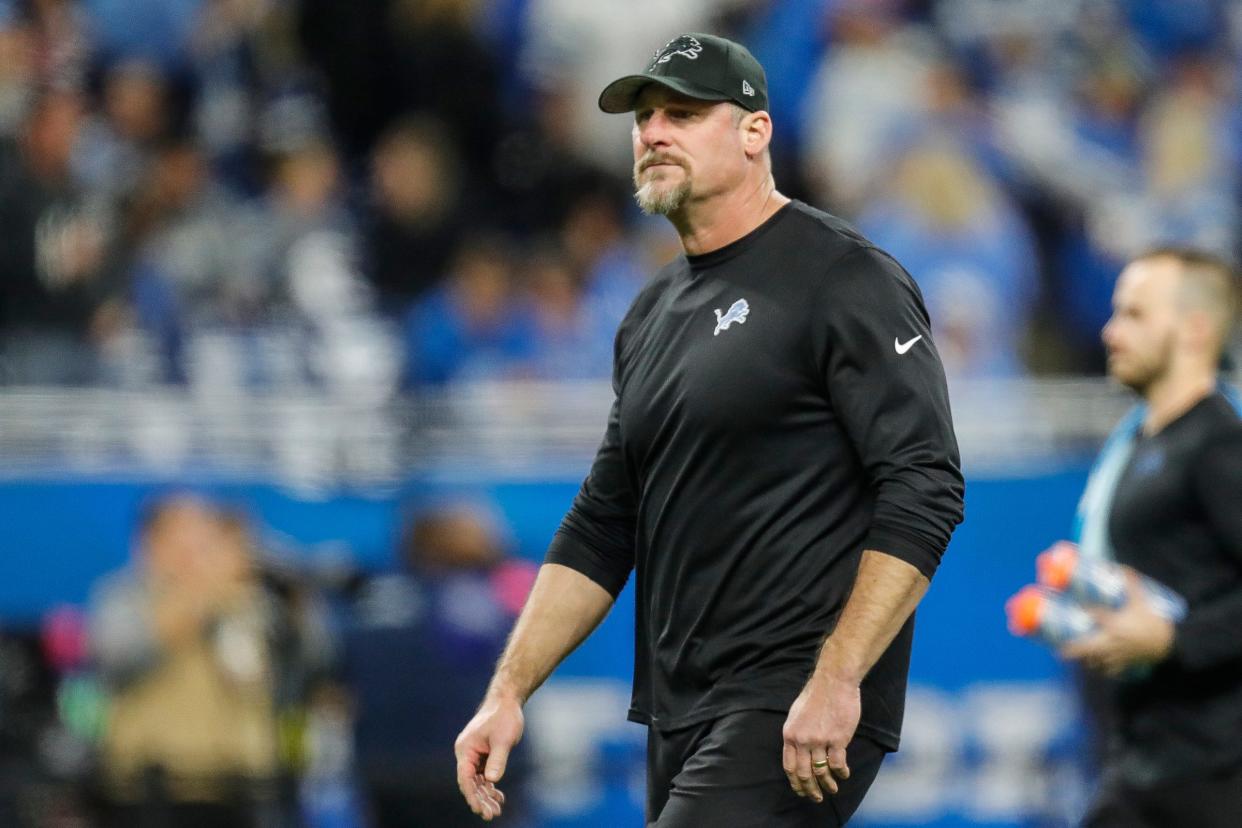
(756, 132)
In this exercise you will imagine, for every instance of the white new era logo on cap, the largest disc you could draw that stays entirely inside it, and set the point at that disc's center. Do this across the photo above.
(747, 89)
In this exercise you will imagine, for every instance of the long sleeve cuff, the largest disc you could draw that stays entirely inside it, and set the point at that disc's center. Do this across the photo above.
(569, 549)
(922, 554)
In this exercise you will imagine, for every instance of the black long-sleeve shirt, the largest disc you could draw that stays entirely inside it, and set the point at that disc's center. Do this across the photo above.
(780, 407)
(1177, 517)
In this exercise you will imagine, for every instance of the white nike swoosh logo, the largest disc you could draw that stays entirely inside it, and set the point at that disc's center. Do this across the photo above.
(902, 347)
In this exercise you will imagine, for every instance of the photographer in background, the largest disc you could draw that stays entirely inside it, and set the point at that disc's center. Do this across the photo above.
(182, 642)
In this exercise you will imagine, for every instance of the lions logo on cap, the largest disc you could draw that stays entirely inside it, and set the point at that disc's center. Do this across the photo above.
(686, 46)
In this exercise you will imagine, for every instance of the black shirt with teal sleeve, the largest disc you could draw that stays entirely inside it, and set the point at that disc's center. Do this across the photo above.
(1177, 517)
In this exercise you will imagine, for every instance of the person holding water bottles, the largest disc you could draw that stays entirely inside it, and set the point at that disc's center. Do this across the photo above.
(1166, 503)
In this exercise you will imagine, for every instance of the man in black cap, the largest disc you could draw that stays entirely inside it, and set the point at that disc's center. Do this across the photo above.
(779, 470)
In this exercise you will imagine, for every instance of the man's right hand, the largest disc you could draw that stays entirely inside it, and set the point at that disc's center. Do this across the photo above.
(482, 750)
(564, 606)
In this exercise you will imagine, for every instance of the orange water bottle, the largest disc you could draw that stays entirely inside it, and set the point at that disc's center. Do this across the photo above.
(1051, 617)
(1100, 583)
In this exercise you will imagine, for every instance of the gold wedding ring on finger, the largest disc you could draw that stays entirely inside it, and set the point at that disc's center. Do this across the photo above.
(822, 763)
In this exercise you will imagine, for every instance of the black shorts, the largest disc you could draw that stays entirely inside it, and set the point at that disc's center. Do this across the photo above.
(1197, 802)
(728, 772)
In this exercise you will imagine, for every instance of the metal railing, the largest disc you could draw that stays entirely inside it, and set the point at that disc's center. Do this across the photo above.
(505, 430)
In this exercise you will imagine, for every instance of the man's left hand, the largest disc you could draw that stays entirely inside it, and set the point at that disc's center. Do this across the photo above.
(1133, 635)
(821, 723)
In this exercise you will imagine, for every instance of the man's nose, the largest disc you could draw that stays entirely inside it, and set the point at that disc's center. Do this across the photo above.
(654, 131)
(1106, 333)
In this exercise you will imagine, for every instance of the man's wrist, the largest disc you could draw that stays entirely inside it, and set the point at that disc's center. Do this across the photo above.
(504, 691)
(835, 667)
(834, 678)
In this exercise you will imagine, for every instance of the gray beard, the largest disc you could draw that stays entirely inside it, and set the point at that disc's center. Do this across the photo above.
(661, 202)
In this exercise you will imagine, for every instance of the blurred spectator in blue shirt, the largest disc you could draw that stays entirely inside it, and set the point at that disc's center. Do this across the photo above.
(969, 250)
(1190, 159)
(604, 258)
(182, 260)
(1181, 190)
(474, 327)
(419, 650)
(297, 277)
(569, 343)
(241, 52)
(119, 143)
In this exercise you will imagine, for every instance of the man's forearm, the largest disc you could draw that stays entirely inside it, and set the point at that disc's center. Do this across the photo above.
(886, 590)
(563, 608)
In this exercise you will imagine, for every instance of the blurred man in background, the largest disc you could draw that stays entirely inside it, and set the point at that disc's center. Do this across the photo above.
(416, 216)
(181, 641)
(419, 652)
(56, 297)
(1171, 511)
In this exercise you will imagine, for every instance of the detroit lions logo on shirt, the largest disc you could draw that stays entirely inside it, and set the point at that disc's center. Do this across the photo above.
(737, 312)
(686, 46)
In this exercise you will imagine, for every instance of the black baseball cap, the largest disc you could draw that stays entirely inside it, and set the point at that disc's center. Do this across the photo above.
(701, 66)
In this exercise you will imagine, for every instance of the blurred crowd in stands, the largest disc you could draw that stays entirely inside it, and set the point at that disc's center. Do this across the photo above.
(369, 198)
